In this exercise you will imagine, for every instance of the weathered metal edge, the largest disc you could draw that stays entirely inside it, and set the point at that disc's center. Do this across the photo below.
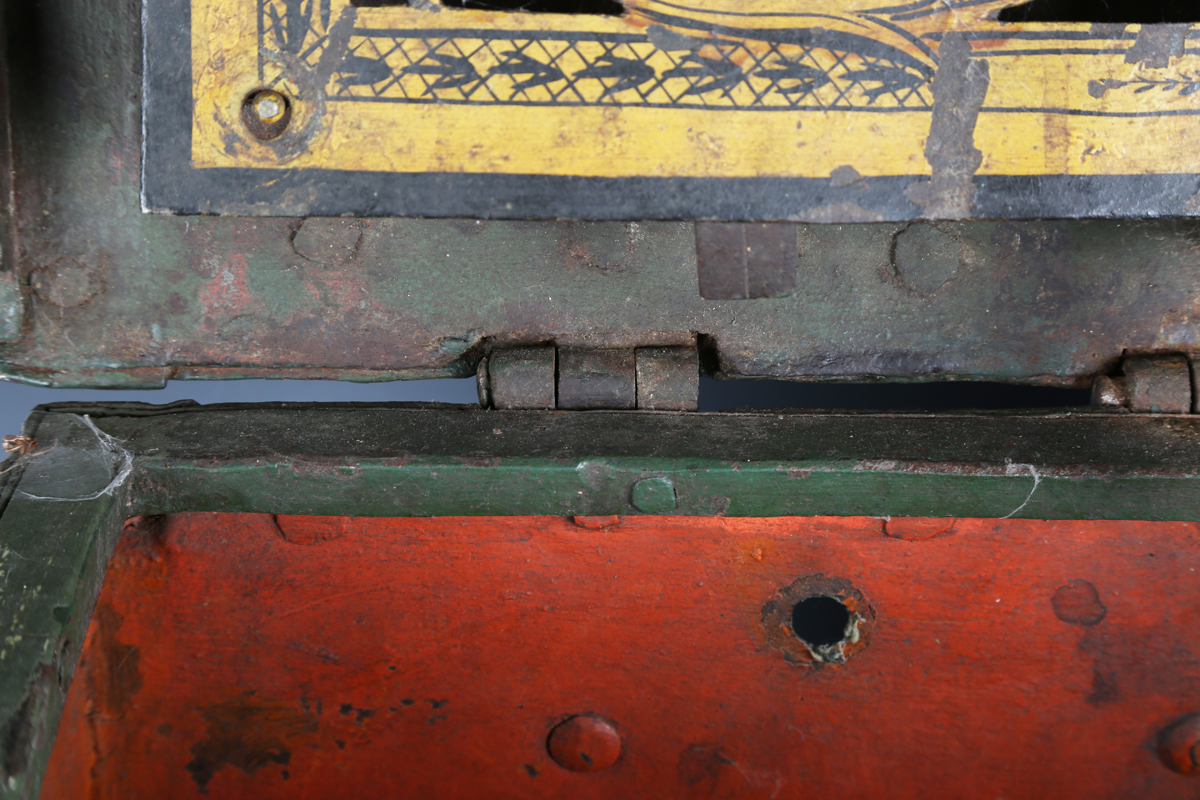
(602, 487)
(55, 557)
(1096, 440)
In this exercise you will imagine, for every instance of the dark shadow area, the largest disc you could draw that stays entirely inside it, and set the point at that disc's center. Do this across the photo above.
(718, 395)
(1103, 11)
(16, 400)
(820, 621)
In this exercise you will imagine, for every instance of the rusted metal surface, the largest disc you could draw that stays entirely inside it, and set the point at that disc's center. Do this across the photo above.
(596, 379)
(218, 298)
(742, 261)
(369, 647)
(1159, 385)
(668, 378)
(520, 377)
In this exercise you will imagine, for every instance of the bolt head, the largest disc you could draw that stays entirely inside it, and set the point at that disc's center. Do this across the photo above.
(584, 743)
(654, 496)
(269, 106)
(1179, 746)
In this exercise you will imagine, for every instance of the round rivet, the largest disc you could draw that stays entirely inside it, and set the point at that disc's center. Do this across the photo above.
(584, 743)
(266, 113)
(1179, 745)
(654, 496)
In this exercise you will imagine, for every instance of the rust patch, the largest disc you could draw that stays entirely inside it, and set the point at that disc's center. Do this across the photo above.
(959, 89)
(777, 620)
(115, 686)
(1156, 45)
(1078, 603)
(249, 733)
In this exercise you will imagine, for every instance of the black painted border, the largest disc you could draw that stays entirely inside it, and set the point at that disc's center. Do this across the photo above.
(171, 185)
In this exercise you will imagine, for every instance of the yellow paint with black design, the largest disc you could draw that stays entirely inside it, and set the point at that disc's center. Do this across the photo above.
(753, 88)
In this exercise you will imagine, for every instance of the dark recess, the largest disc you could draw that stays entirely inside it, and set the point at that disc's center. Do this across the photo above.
(820, 621)
(720, 395)
(1103, 11)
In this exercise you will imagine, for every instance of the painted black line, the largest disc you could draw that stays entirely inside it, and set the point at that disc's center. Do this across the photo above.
(676, 105)
(498, 35)
(1057, 51)
(1080, 112)
(1070, 36)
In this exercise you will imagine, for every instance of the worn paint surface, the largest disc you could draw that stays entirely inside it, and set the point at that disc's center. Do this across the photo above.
(432, 658)
(109, 296)
(211, 298)
(93, 465)
(396, 461)
(784, 96)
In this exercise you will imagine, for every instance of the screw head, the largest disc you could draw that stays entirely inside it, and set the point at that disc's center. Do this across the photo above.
(1179, 745)
(266, 113)
(269, 106)
(584, 743)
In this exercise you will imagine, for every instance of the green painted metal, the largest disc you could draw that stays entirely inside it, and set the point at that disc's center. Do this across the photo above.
(53, 557)
(439, 487)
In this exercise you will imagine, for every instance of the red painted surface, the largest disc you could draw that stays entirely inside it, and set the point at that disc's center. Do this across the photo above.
(431, 658)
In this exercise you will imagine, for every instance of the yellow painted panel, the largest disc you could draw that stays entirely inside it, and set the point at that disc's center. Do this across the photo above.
(710, 88)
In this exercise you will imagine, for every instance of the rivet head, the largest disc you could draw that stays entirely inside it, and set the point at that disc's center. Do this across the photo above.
(1179, 746)
(654, 496)
(266, 113)
(584, 743)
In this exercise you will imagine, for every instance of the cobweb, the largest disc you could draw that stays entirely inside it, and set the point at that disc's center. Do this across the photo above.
(84, 463)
